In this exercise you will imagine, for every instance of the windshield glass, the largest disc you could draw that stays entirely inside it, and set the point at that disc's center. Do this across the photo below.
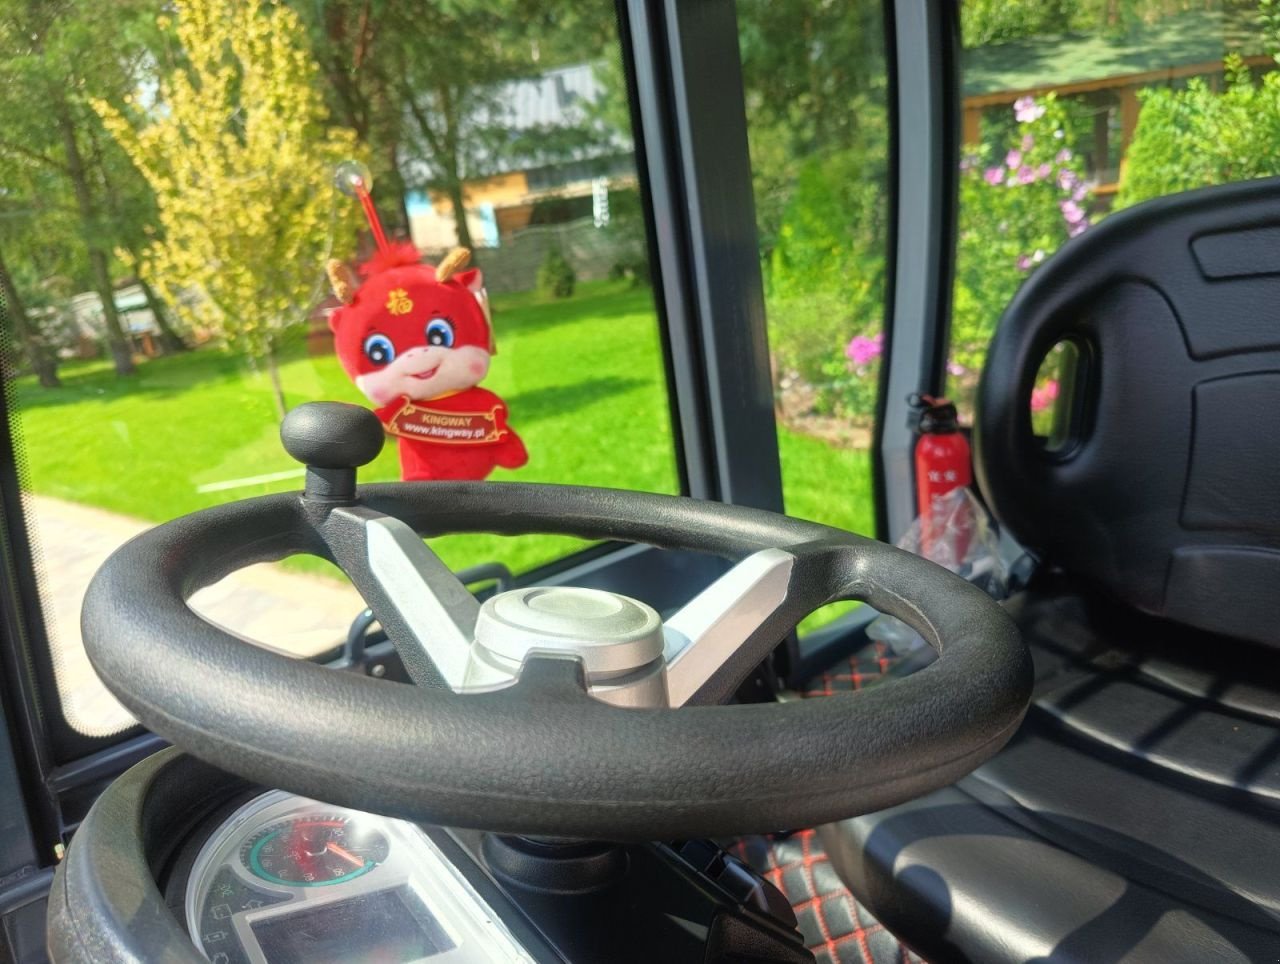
(174, 250)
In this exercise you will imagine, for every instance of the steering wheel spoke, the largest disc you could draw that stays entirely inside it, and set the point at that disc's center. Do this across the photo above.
(706, 641)
(428, 614)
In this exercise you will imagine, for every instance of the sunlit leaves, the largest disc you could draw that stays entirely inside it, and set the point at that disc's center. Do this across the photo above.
(1196, 136)
(239, 152)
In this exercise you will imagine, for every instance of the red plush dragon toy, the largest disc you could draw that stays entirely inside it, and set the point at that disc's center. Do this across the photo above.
(417, 341)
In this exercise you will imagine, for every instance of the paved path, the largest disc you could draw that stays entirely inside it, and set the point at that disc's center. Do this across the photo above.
(300, 614)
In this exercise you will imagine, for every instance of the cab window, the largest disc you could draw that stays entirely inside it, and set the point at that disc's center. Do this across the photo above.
(1074, 111)
(164, 269)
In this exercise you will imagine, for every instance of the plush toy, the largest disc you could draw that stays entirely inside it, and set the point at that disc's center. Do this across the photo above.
(417, 341)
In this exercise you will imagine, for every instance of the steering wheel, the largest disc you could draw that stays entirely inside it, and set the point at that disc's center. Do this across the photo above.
(557, 711)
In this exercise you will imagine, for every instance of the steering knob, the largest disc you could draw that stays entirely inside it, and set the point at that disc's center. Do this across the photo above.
(332, 435)
(332, 439)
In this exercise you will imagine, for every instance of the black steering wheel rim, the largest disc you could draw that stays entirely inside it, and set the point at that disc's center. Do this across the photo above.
(543, 757)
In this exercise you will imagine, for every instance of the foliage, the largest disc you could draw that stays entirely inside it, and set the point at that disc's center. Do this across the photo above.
(556, 276)
(239, 154)
(1019, 201)
(815, 81)
(1269, 18)
(816, 88)
(826, 279)
(1195, 137)
(73, 190)
(446, 67)
(985, 22)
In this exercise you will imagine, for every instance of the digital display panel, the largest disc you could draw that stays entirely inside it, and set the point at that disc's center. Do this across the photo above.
(387, 927)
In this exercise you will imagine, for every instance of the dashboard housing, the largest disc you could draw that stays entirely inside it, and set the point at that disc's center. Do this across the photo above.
(121, 893)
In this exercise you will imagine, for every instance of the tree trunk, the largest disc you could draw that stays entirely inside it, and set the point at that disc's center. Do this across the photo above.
(42, 361)
(277, 390)
(460, 214)
(170, 341)
(444, 150)
(394, 212)
(117, 340)
(121, 352)
(452, 167)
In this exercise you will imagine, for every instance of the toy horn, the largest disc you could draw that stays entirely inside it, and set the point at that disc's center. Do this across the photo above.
(452, 263)
(341, 280)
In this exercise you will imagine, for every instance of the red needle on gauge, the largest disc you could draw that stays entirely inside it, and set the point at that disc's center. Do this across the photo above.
(344, 853)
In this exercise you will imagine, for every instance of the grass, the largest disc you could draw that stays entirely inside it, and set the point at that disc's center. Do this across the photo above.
(583, 378)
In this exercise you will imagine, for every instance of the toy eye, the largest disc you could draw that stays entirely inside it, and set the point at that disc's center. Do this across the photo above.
(440, 333)
(379, 349)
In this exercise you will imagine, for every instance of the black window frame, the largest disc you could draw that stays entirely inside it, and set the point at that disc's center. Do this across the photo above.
(924, 82)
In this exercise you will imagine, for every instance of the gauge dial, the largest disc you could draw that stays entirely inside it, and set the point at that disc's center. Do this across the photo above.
(313, 851)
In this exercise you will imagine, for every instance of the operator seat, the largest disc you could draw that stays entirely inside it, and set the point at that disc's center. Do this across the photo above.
(1136, 815)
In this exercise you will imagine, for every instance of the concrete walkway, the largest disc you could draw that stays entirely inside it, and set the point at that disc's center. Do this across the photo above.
(300, 614)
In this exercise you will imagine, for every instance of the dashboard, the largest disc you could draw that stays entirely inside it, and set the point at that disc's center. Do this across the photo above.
(285, 879)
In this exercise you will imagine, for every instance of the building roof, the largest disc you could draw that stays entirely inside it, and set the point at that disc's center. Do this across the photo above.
(1197, 37)
(557, 100)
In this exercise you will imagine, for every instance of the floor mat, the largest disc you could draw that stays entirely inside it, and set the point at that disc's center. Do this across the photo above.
(837, 928)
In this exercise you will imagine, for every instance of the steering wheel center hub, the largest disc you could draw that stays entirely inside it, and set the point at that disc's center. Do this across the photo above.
(615, 637)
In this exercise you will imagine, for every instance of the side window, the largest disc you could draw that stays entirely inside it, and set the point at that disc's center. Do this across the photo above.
(1074, 110)
(817, 109)
(170, 212)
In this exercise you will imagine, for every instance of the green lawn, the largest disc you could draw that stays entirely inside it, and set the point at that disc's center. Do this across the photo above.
(583, 379)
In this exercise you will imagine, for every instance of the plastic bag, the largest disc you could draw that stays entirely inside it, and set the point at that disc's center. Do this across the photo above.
(957, 535)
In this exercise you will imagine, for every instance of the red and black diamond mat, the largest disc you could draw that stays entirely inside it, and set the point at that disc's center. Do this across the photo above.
(837, 928)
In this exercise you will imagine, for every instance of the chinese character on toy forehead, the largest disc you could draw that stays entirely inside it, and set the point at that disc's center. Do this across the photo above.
(417, 340)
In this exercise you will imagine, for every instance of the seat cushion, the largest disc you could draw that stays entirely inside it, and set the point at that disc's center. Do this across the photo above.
(1136, 815)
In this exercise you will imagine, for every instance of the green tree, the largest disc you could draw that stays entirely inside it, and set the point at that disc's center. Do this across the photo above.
(442, 67)
(37, 225)
(815, 81)
(28, 340)
(448, 69)
(56, 57)
(240, 154)
(349, 39)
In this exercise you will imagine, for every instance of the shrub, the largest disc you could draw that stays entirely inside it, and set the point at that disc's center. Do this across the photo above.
(825, 281)
(556, 276)
(633, 269)
(1021, 198)
(1195, 137)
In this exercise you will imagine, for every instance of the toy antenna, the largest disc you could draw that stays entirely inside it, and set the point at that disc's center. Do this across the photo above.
(353, 179)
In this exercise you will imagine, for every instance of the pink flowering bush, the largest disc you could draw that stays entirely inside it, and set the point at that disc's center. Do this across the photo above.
(1043, 396)
(1020, 200)
(851, 383)
(863, 350)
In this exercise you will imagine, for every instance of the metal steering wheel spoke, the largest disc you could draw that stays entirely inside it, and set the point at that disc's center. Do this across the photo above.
(703, 637)
(426, 611)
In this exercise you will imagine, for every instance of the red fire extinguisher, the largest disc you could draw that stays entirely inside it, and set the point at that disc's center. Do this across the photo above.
(943, 464)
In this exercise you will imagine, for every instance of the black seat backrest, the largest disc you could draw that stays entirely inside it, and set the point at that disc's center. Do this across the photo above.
(1166, 488)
